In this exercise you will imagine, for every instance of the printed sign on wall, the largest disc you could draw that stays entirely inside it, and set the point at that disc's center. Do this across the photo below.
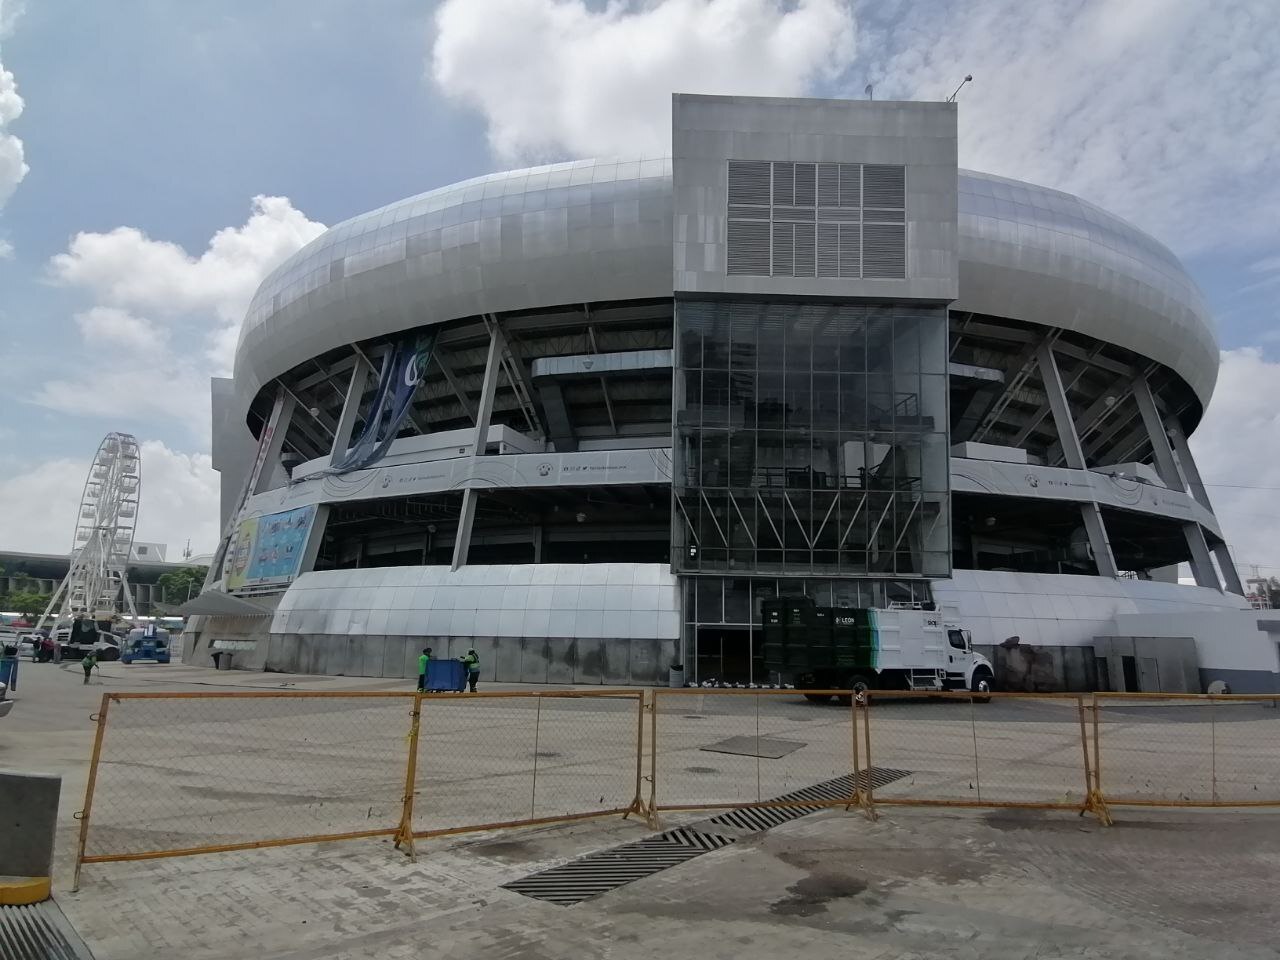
(268, 550)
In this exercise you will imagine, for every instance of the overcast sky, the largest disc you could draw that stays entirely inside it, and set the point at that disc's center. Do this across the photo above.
(157, 158)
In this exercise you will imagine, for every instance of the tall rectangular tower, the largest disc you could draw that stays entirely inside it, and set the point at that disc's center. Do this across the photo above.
(814, 257)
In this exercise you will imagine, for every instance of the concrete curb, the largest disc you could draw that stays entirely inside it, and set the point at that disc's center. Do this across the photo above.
(22, 891)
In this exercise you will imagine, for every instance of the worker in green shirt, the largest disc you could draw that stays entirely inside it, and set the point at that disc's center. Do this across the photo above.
(471, 663)
(424, 659)
(87, 664)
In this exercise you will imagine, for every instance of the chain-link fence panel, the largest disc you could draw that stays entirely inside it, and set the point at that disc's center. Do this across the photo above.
(184, 773)
(1188, 750)
(725, 748)
(994, 750)
(509, 758)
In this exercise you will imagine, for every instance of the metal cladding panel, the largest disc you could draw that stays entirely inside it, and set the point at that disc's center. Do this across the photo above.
(575, 232)
(508, 241)
(1031, 253)
(899, 154)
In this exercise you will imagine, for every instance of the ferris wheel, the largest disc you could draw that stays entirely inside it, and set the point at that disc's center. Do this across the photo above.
(103, 539)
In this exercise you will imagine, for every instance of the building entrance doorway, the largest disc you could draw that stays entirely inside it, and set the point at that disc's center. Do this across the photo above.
(725, 653)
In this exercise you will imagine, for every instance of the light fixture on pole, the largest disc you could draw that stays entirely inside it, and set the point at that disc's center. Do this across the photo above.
(870, 91)
(967, 78)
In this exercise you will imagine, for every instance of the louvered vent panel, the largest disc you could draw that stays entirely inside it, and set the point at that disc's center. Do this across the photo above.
(793, 214)
(838, 214)
(850, 185)
(806, 184)
(850, 249)
(783, 250)
(749, 182)
(805, 265)
(748, 248)
(829, 249)
(784, 176)
(828, 185)
(884, 186)
(885, 253)
(883, 216)
(738, 211)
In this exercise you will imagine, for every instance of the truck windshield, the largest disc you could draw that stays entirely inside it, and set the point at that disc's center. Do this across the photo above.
(956, 639)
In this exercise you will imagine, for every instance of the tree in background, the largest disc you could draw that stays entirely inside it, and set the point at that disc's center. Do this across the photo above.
(179, 586)
(29, 604)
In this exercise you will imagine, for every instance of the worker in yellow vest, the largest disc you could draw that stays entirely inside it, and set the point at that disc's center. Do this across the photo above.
(471, 663)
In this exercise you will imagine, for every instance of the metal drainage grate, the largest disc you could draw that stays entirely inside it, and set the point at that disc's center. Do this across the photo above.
(601, 872)
(758, 818)
(696, 838)
(607, 870)
(38, 932)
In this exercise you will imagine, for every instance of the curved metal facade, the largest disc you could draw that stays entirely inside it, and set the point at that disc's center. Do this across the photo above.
(591, 231)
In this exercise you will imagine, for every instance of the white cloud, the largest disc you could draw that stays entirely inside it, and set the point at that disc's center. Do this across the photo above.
(115, 327)
(557, 77)
(1163, 111)
(1237, 448)
(127, 270)
(168, 318)
(179, 501)
(6, 249)
(13, 165)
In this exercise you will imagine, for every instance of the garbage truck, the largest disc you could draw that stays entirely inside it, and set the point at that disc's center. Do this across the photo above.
(903, 647)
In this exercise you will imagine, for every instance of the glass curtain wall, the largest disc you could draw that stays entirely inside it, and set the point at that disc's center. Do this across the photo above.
(810, 437)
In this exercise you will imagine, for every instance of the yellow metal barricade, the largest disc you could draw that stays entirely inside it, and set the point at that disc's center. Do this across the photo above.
(718, 748)
(507, 759)
(183, 773)
(997, 750)
(1188, 750)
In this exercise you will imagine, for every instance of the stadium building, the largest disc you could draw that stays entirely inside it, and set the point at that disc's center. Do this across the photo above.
(585, 417)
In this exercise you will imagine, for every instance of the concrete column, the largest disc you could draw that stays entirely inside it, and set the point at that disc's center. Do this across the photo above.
(1190, 471)
(1072, 452)
(1227, 566)
(1166, 466)
(462, 540)
(269, 457)
(1058, 406)
(1191, 474)
(487, 389)
(1098, 540)
(1201, 564)
(314, 539)
(350, 410)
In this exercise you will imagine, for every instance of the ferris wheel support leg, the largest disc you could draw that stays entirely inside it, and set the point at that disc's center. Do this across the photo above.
(53, 602)
(128, 599)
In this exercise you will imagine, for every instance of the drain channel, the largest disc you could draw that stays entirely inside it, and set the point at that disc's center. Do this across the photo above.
(38, 932)
(598, 873)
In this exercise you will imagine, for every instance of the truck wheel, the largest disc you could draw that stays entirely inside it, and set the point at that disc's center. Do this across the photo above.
(818, 697)
(983, 683)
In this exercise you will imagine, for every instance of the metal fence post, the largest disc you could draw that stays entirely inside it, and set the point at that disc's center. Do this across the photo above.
(1097, 802)
(869, 800)
(1084, 754)
(537, 733)
(404, 833)
(973, 728)
(83, 815)
(653, 821)
(1213, 748)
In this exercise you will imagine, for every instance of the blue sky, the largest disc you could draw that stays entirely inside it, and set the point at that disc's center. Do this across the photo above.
(171, 117)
